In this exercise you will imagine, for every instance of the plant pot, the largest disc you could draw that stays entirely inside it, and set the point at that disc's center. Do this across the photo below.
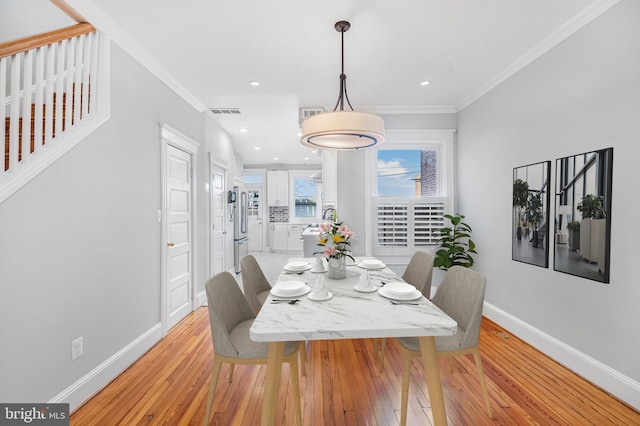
(337, 268)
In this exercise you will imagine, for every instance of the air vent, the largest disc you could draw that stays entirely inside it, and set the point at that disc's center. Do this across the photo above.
(225, 110)
(308, 112)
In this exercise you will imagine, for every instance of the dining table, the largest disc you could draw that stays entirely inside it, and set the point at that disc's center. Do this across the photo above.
(348, 313)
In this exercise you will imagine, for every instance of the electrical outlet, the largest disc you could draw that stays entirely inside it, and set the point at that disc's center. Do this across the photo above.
(77, 348)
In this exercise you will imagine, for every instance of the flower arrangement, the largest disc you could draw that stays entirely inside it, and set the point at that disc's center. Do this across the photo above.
(339, 235)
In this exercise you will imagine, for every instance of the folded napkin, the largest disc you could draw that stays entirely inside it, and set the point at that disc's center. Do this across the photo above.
(319, 265)
(320, 289)
(363, 281)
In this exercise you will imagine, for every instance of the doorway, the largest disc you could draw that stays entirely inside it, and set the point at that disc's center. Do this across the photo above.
(218, 230)
(177, 217)
(255, 214)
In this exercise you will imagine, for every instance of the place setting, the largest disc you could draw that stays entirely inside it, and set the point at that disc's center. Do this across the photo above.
(297, 267)
(289, 291)
(400, 293)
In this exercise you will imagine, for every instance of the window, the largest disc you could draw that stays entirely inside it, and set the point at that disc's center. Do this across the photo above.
(305, 191)
(412, 196)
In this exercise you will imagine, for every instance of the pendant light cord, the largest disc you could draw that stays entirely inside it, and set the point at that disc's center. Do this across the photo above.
(343, 77)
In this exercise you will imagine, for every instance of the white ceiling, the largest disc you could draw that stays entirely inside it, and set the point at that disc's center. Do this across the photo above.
(214, 49)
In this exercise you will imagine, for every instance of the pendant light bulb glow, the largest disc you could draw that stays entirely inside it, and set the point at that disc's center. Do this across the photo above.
(340, 129)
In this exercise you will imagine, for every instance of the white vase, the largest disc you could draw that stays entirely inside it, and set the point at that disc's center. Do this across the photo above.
(337, 268)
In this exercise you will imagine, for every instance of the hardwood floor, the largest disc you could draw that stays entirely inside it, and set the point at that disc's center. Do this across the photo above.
(169, 385)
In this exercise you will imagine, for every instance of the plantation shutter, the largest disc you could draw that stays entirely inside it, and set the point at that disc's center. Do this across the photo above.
(392, 224)
(428, 218)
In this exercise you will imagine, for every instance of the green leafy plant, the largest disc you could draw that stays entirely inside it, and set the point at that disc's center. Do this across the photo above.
(533, 211)
(573, 226)
(591, 207)
(455, 243)
(520, 197)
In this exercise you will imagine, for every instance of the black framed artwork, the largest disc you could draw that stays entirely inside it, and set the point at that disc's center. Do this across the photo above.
(583, 214)
(530, 224)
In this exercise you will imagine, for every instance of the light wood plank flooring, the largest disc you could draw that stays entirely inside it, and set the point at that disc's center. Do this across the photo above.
(169, 386)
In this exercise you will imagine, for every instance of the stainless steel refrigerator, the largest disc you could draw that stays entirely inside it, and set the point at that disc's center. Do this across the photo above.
(240, 228)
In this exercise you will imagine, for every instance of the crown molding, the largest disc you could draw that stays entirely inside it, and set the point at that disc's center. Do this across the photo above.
(89, 11)
(407, 109)
(582, 18)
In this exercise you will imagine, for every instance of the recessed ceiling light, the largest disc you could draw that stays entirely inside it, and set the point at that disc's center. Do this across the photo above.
(299, 134)
(314, 151)
(275, 158)
(257, 148)
(424, 83)
(306, 158)
(243, 130)
(254, 83)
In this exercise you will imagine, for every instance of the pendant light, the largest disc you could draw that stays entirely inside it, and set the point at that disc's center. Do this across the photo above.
(340, 129)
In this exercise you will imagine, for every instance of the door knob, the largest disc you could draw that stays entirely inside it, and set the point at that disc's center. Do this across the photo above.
(170, 244)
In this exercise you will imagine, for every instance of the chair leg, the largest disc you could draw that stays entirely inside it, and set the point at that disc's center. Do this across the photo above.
(375, 347)
(230, 375)
(450, 361)
(383, 344)
(215, 372)
(295, 384)
(483, 384)
(404, 401)
(303, 357)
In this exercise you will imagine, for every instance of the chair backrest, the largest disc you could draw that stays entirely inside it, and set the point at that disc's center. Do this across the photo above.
(227, 309)
(419, 272)
(253, 281)
(461, 296)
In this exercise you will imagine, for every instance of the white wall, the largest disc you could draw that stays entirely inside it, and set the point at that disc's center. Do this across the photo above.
(25, 18)
(581, 96)
(80, 247)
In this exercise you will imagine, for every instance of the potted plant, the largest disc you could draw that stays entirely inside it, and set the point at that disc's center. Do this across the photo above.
(533, 214)
(592, 227)
(520, 197)
(456, 245)
(574, 235)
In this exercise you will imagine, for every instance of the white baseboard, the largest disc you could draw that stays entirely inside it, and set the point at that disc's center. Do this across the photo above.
(201, 299)
(99, 377)
(612, 381)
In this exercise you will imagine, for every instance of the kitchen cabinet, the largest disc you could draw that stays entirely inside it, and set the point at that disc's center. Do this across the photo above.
(285, 238)
(294, 240)
(277, 188)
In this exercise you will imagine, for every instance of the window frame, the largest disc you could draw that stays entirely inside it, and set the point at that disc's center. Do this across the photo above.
(443, 142)
(303, 174)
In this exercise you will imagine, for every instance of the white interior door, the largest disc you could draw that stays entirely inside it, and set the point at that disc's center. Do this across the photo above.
(179, 274)
(255, 213)
(218, 231)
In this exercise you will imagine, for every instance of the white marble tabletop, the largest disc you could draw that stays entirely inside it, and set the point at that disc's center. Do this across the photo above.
(349, 313)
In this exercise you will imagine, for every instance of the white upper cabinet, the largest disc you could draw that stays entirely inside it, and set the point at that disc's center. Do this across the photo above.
(277, 188)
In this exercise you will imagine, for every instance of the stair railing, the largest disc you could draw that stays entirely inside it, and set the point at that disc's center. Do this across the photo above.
(48, 86)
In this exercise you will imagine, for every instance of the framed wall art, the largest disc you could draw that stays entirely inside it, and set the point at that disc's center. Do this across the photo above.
(583, 214)
(530, 224)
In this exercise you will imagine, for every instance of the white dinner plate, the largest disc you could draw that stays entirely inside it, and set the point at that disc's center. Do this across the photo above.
(320, 299)
(411, 296)
(289, 287)
(371, 263)
(304, 290)
(379, 266)
(297, 266)
(399, 289)
(371, 289)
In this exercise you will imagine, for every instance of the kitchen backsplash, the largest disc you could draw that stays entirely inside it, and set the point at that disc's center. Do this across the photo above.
(278, 213)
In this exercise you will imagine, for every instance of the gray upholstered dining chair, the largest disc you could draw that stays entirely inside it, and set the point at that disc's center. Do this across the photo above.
(256, 290)
(231, 318)
(255, 285)
(418, 273)
(461, 296)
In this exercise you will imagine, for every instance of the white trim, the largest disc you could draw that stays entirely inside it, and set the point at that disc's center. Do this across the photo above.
(106, 25)
(173, 137)
(609, 379)
(585, 16)
(99, 377)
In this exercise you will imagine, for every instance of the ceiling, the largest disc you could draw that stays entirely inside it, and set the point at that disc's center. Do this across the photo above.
(213, 49)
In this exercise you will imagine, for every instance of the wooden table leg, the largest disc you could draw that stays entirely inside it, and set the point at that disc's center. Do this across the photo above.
(432, 373)
(272, 383)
